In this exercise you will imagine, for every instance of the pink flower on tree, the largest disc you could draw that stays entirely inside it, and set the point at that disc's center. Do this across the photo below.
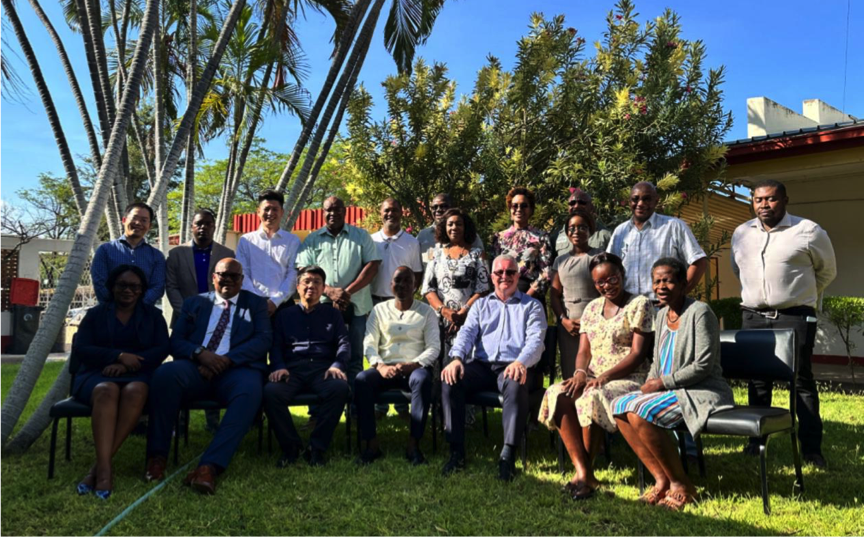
(626, 116)
(572, 189)
(619, 17)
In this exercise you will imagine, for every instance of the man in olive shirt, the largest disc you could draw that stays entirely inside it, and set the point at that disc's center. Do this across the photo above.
(784, 262)
(350, 259)
(599, 239)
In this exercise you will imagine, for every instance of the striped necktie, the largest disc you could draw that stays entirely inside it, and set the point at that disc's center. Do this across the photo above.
(216, 338)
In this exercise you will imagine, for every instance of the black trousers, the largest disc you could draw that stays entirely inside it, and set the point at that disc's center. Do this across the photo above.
(370, 383)
(807, 403)
(485, 377)
(305, 377)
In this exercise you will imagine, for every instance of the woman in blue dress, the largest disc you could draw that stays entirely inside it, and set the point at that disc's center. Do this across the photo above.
(118, 345)
(685, 385)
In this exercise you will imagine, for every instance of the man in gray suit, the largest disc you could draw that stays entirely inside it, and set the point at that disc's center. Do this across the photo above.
(190, 272)
(190, 266)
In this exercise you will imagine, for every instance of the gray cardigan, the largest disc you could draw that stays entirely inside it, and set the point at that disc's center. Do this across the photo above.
(697, 377)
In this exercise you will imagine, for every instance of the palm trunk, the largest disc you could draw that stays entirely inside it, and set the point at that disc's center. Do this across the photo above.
(40, 420)
(55, 315)
(159, 124)
(188, 204)
(347, 38)
(48, 103)
(92, 140)
(358, 55)
(182, 135)
(93, 70)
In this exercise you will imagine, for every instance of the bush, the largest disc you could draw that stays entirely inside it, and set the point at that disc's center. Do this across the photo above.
(728, 310)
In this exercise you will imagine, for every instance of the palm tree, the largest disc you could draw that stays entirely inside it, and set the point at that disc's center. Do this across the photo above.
(55, 315)
(188, 204)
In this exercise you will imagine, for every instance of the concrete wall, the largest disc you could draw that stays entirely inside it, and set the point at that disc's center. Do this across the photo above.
(823, 113)
(764, 116)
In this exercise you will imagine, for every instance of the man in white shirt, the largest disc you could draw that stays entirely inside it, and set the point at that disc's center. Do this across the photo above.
(402, 344)
(784, 262)
(441, 203)
(648, 236)
(396, 249)
(268, 254)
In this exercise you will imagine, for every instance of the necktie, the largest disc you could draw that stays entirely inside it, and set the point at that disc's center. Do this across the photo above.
(216, 338)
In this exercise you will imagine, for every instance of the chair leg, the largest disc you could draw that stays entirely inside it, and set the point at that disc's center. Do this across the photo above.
(560, 454)
(682, 451)
(700, 455)
(485, 423)
(69, 439)
(348, 428)
(796, 457)
(434, 428)
(187, 415)
(177, 433)
(607, 446)
(269, 438)
(763, 469)
(53, 449)
(260, 433)
(640, 469)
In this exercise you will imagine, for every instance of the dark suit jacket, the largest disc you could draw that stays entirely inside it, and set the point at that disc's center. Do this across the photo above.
(251, 329)
(182, 280)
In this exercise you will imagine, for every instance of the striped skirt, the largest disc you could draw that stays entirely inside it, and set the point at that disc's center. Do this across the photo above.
(661, 408)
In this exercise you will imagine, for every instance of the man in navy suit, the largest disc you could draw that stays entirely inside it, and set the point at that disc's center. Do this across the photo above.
(219, 344)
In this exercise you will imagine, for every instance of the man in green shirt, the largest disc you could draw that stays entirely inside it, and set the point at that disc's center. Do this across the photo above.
(350, 258)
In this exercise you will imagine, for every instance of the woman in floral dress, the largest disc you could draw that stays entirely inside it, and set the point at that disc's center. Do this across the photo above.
(616, 333)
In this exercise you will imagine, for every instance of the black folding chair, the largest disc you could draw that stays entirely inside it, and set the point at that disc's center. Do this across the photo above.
(395, 397)
(311, 399)
(769, 355)
(67, 408)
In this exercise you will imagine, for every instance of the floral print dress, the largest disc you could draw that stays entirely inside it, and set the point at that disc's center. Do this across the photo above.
(533, 252)
(610, 341)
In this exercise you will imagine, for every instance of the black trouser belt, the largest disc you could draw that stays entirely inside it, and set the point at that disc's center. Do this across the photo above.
(773, 314)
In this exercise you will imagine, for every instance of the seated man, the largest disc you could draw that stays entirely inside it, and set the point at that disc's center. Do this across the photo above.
(219, 344)
(309, 354)
(402, 343)
(506, 330)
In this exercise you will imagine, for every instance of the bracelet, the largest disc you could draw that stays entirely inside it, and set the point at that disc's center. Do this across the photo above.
(440, 309)
(580, 371)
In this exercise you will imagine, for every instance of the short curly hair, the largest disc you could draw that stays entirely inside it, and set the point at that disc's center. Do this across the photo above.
(586, 215)
(522, 191)
(121, 270)
(470, 228)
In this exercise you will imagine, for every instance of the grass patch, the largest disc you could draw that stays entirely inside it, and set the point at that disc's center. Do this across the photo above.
(391, 498)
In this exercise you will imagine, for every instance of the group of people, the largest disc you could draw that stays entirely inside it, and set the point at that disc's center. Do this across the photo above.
(637, 355)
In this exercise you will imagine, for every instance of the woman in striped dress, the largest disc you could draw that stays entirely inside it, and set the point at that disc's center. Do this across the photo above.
(685, 386)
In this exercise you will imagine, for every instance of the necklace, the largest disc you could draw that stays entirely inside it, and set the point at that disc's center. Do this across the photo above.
(669, 317)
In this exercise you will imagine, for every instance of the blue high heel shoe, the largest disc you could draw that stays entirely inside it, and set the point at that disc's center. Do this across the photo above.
(83, 489)
(102, 494)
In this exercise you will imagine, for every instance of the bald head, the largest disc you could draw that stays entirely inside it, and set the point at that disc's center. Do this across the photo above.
(643, 201)
(334, 214)
(228, 277)
(580, 198)
(402, 283)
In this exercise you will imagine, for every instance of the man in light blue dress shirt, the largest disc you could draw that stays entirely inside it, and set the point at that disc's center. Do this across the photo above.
(506, 330)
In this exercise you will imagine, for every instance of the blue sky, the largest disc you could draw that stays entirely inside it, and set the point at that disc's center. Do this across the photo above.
(787, 50)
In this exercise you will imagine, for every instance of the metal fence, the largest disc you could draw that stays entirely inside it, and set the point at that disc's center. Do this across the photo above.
(51, 266)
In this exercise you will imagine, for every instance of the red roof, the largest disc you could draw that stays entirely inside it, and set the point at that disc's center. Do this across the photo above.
(309, 219)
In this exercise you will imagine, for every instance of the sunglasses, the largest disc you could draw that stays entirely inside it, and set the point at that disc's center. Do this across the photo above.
(508, 272)
(441, 207)
(573, 229)
(233, 276)
(614, 280)
(571, 203)
(523, 206)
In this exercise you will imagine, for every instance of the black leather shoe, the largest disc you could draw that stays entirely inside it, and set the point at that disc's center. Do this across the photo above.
(368, 457)
(416, 458)
(288, 458)
(314, 457)
(751, 450)
(455, 464)
(816, 459)
(506, 470)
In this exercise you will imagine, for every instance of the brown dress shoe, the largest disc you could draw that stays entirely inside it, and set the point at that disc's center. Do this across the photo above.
(155, 469)
(202, 479)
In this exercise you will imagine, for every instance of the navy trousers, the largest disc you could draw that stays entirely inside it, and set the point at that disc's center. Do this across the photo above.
(179, 382)
(370, 383)
(485, 377)
(306, 377)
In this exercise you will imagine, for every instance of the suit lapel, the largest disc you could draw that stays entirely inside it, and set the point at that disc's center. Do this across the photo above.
(238, 319)
(190, 263)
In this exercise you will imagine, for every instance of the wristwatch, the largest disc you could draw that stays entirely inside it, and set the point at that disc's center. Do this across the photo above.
(197, 352)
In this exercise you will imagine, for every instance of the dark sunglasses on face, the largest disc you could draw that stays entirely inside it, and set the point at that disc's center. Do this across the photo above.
(441, 207)
(134, 287)
(509, 272)
(233, 276)
(614, 280)
(523, 206)
(571, 203)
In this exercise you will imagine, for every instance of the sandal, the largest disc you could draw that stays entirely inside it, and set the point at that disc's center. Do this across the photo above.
(583, 492)
(86, 484)
(676, 501)
(569, 487)
(653, 496)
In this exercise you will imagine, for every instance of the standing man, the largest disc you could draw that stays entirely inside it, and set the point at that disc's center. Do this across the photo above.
(601, 236)
(784, 262)
(219, 344)
(190, 266)
(350, 259)
(268, 254)
(506, 331)
(130, 249)
(396, 248)
(441, 203)
(309, 352)
(647, 237)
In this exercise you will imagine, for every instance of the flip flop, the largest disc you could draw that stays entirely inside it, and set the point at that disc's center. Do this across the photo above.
(579, 493)
(653, 497)
(676, 501)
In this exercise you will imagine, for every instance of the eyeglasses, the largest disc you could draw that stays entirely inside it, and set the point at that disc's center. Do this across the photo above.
(573, 229)
(509, 272)
(134, 287)
(637, 199)
(440, 207)
(233, 276)
(516, 206)
(613, 280)
(573, 202)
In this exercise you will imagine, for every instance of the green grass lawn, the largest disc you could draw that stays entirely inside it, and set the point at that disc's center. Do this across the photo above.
(391, 498)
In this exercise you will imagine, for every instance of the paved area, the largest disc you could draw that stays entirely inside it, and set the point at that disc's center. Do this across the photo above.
(18, 358)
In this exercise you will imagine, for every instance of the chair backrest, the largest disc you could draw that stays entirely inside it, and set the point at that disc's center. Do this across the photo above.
(74, 363)
(768, 355)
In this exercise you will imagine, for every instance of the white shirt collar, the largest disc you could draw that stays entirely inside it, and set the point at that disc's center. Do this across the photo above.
(652, 221)
(219, 300)
(393, 238)
(263, 234)
(786, 221)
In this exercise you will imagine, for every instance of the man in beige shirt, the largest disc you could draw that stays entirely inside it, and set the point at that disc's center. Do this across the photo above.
(402, 344)
(784, 262)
